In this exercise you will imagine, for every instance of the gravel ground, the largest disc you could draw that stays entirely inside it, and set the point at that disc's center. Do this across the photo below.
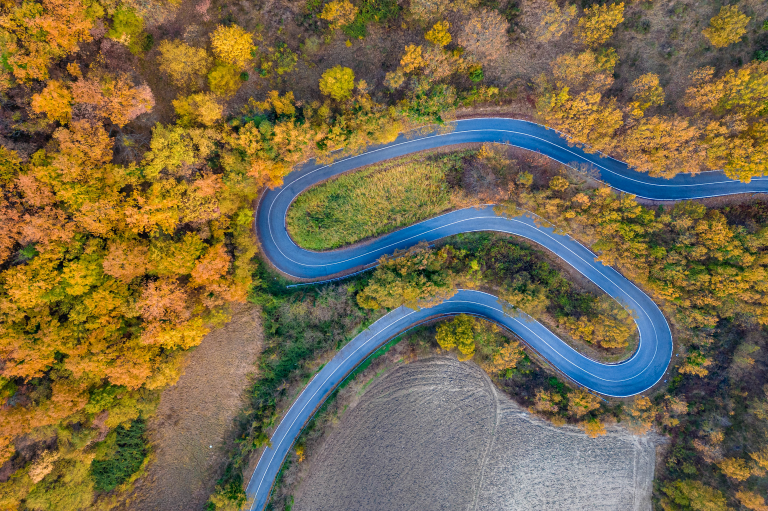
(436, 434)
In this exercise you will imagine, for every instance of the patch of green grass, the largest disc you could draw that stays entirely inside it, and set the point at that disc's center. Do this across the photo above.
(371, 11)
(372, 202)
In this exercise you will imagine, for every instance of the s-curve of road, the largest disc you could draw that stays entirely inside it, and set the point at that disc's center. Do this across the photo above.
(633, 376)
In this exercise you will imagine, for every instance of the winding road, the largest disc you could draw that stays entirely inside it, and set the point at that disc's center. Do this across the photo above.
(633, 376)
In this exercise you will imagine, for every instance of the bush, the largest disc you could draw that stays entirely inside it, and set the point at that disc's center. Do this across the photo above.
(130, 452)
(476, 73)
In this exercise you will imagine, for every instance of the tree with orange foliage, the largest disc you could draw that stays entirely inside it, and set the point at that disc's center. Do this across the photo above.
(735, 468)
(412, 59)
(55, 101)
(586, 118)
(114, 97)
(43, 32)
(752, 500)
(639, 416)
(581, 402)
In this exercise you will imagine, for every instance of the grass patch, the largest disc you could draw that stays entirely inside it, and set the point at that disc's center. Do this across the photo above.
(374, 201)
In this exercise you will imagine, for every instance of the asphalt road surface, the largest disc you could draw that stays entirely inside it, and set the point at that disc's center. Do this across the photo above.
(633, 376)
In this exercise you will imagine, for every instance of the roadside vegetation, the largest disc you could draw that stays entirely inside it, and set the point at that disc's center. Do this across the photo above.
(135, 136)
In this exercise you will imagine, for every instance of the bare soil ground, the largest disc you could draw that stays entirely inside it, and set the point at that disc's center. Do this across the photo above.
(198, 413)
(437, 434)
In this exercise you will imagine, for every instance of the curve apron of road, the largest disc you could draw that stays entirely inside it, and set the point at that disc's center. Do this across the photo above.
(633, 376)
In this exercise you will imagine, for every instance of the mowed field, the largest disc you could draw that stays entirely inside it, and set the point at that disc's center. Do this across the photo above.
(436, 434)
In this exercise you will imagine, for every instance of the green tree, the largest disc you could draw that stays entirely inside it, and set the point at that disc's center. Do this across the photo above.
(417, 277)
(694, 496)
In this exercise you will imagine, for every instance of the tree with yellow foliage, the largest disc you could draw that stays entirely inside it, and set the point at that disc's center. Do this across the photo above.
(646, 92)
(224, 80)
(752, 500)
(593, 428)
(581, 402)
(439, 34)
(588, 69)
(694, 495)
(735, 468)
(232, 45)
(598, 23)
(338, 82)
(505, 358)
(727, 27)
(663, 146)
(555, 21)
(416, 277)
(695, 363)
(639, 416)
(458, 333)
(55, 101)
(412, 59)
(201, 108)
(737, 138)
(281, 105)
(184, 64)
(586, 118)
(339, 13)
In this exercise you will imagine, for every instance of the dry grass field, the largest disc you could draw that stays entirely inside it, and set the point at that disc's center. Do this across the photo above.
(198, 413)
(436, 434)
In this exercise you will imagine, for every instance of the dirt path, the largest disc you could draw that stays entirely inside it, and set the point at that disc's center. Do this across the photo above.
(198, 413)
(419, 440)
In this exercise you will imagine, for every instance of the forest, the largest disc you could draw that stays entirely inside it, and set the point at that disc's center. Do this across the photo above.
(136, 138)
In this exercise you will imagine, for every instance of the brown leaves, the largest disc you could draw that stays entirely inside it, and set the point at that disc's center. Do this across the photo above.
(484, 35)
(114, 98)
